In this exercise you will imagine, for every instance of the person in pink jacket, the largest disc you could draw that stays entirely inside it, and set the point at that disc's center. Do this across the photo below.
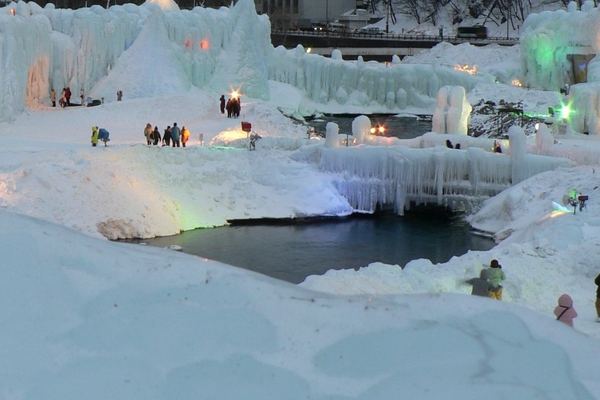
(564, 311)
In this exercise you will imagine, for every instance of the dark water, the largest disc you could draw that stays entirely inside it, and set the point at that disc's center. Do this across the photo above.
(293, 252)
(400, 127)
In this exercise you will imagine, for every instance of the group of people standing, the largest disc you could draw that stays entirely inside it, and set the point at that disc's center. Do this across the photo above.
(64, 101)
(233, 106)
(449, 145)
(175, 136)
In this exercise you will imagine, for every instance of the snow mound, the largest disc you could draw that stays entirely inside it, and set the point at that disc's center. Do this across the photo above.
(143, 65)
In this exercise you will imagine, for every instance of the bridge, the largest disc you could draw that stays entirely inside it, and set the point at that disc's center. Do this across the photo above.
(379, 47)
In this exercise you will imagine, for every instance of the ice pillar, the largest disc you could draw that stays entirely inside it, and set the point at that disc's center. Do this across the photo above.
(332, 135)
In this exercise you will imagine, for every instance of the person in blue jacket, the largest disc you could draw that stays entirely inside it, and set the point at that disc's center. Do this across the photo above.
(176, 135)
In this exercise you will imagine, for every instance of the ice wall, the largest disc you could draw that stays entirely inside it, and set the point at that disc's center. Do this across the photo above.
(584, 99)
(44, 48)
(452, 112)
(370, 177)
(548, 37)
(381, 87)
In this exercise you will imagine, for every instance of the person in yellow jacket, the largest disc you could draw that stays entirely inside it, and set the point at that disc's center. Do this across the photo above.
(94, 136)
(185, 135)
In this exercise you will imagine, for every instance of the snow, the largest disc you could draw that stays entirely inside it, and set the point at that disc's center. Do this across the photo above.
(88, 318)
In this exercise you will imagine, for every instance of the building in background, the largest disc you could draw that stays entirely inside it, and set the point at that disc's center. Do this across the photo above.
(284, 14)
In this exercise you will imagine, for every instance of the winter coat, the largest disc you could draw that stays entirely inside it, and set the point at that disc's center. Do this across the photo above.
(185, 135)
(95, 134)
(564, 311)
(148, 132)
(156, 136)
(481, 285)
(597, 281)
(496, 276)
(167, 136)
(175, 133)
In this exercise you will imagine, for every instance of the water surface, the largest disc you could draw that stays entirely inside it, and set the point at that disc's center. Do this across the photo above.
(291, 252)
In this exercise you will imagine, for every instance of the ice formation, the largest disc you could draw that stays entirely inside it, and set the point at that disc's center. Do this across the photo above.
(452, 112)
(425, 171)
(551, 60)
(44, 48)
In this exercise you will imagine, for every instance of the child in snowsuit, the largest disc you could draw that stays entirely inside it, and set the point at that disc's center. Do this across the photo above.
(481, 285)
(95, 134)
(564, 311)
(496, 276)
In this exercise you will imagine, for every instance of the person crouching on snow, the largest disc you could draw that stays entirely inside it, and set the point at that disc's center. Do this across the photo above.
(564, 311)
(481, 285)
(496, 276)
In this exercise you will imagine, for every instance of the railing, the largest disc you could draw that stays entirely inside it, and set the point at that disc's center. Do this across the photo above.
(395, 36)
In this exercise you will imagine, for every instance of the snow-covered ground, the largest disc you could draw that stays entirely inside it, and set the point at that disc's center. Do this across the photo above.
(84, 317)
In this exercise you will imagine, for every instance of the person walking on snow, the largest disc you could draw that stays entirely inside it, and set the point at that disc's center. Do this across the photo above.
(481, 285)
(156, 136)
(53, 97)
(175, 135)
(564, 311)
(68, 95)
(496, 276)
(222, 104)
(185, 136)
(167, 137)
(148, 133)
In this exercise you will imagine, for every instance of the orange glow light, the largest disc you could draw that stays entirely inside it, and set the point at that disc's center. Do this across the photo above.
(12, 11)
(204, 45)
(466, 68)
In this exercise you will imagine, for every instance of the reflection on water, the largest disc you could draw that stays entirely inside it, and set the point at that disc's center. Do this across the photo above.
(400, 127)
(293, 252)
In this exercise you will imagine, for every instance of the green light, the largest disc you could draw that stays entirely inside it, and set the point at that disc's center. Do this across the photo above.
(573, 193)
(565, 111)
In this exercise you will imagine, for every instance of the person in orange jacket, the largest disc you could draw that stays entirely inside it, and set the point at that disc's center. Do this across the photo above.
(185, 135)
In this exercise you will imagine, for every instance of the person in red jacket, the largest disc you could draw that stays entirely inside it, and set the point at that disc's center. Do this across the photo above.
(564, 311)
